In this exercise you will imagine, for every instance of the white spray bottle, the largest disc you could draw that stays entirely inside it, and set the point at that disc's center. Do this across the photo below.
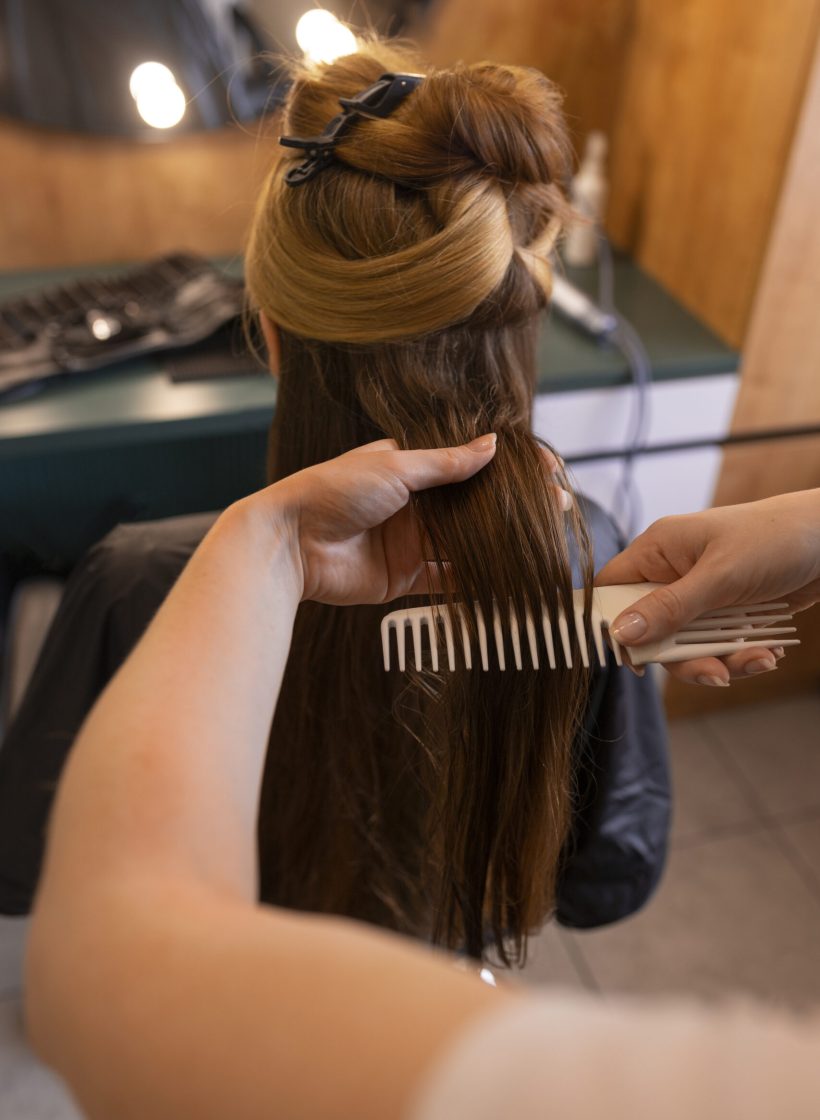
(589, 194)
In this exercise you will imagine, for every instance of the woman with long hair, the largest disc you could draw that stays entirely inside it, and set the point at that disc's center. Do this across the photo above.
(401, 283)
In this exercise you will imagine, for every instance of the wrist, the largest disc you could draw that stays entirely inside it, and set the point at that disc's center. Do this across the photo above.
(268, 523)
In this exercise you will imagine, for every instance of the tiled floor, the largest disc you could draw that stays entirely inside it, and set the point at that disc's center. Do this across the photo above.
(739, 907)
(738, 910)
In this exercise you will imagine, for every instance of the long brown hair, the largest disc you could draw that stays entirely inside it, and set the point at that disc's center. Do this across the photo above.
(406, 280)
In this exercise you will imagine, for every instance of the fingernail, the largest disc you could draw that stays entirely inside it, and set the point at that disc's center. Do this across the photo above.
(762, 665)
(715, 682)
(565, 499)
(779, 652)
(483, 443)
(629, 627)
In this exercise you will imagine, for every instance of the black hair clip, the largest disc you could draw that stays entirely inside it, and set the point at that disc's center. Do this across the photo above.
(378, 100)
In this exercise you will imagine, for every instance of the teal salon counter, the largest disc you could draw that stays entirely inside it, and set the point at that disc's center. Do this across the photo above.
(129, 444)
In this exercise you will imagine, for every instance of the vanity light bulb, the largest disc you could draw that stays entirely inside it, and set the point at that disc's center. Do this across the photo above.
(160, 101)
(149, 75)
(323, 37)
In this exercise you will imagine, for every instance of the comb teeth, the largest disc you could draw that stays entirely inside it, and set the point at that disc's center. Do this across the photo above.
(500, 643)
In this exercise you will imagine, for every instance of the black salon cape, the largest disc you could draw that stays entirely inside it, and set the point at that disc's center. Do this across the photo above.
(619, 838)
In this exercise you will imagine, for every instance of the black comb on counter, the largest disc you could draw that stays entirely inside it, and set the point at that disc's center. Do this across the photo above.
(93, 322)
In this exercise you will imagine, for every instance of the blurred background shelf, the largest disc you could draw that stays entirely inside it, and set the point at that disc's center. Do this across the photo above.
(130, 444)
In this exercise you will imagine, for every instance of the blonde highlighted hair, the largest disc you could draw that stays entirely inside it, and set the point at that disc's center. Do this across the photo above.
(443, 208)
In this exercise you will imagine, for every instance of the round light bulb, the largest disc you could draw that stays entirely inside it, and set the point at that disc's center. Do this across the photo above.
(162, 108)
(149, 75)
(323, 37)
(160, 101)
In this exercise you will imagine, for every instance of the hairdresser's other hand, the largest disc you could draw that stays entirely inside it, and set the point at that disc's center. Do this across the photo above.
(352, 530)
(557, 471)
(752, 553)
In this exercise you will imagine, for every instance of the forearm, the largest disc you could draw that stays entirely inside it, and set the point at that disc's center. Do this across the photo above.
(145, 926)
(164, 776)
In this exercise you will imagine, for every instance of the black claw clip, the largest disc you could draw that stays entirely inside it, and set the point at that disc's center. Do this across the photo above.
(378, 100)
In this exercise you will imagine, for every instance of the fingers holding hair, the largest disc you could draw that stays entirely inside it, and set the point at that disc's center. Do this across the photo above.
(438, 466)
(423, 468)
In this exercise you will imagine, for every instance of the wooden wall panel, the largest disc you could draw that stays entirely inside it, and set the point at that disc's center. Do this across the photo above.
(781, 364)
(67, 199)
(704, 126)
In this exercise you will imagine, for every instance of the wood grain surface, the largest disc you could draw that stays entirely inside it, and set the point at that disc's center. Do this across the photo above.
(705, 124)
(70, 199)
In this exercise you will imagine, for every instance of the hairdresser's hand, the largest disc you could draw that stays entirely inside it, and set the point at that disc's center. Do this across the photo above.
(758, 552)
(352, 530)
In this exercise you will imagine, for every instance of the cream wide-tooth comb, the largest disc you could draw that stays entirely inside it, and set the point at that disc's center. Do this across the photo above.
(713, 634)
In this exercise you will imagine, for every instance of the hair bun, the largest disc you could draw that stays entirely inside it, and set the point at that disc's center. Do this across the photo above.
(505, 121)
(362, 258)
(502, 123)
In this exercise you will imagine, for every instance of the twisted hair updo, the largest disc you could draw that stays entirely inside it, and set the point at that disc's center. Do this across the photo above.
(445, 210)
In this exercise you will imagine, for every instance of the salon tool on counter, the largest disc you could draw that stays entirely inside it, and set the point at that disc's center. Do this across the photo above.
(577, 308)
(713, 634)
(96, 321)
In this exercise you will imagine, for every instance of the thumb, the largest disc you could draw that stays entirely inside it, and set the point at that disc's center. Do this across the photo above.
(665, 610)
(625, 567)
(427, 467)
